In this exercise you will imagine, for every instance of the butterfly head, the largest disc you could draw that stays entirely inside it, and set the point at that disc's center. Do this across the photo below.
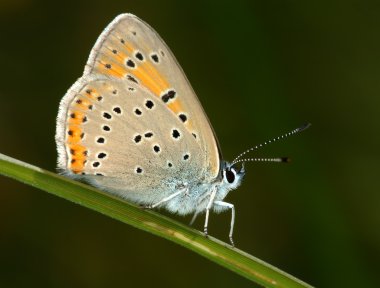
(233, 175)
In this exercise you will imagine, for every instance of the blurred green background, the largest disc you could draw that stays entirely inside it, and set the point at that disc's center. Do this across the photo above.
(260, 68)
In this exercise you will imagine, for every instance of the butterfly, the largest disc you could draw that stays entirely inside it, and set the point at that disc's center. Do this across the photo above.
(133, 126)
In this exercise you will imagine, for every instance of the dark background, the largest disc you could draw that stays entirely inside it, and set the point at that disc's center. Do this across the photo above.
(260, 69)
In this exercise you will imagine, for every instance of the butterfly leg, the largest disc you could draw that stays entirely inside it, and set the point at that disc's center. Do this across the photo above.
(209, 205)
(232, 207)
(166, 199)
(194, 217)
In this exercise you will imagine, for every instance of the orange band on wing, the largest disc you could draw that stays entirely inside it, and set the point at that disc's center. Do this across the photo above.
(77, 117)
(161, 81)
(91, 93)
(78, 158)
(82, 103)
(127, 46)
(74, 134)
(111, 69)
(78, 153)
(147, 81)
(175, 106)
(118, 56)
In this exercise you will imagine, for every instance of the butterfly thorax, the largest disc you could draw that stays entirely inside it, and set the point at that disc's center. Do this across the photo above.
(197, 195)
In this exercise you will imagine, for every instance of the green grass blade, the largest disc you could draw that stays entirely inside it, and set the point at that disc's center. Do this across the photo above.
(211, 248)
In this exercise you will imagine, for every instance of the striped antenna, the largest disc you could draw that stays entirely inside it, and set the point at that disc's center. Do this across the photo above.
(278, 160)
(283, 159)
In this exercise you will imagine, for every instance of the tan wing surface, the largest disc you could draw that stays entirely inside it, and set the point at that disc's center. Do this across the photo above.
(129, 49)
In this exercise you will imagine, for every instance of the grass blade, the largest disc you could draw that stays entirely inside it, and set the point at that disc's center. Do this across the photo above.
(150, 221)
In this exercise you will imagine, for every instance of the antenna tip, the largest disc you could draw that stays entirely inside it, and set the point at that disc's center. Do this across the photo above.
(285, 159)
(304, 126)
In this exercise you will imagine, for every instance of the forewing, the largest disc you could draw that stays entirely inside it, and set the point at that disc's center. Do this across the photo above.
(130, 49)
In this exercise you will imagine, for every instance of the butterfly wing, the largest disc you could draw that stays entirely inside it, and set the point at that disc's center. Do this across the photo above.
(105, 119)
(122, 45)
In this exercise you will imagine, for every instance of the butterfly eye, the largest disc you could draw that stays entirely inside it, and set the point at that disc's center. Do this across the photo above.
(230, 176)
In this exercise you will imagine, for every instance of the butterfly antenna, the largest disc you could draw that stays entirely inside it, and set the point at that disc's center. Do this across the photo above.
(277, 160)
(280, 159)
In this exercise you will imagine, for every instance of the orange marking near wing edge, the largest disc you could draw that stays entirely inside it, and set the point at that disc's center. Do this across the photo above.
(74, 134)
(90, 92)
(76, 117)
(77, 165)
(82, 104)
(77, 153)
